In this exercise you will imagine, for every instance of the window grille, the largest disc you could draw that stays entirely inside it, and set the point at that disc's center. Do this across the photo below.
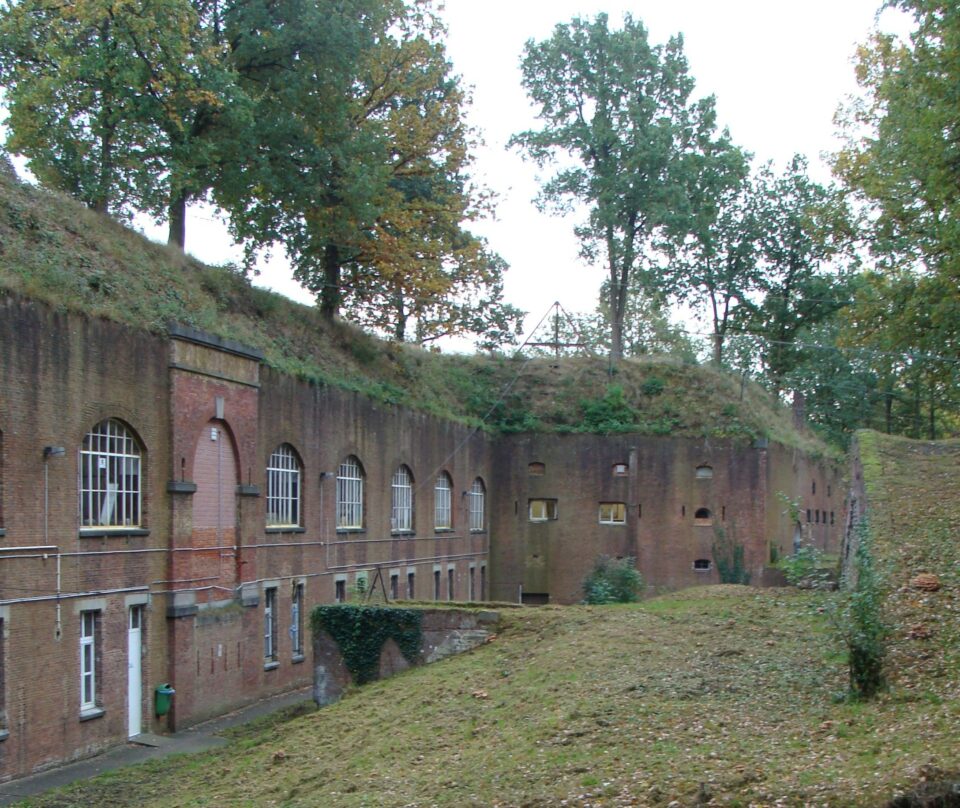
(283, 488)
(401, 511)
(476, 505)
(110, 478)
(443, 502)
(350, 494)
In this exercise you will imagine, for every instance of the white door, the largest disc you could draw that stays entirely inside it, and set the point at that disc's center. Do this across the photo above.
(134, 680)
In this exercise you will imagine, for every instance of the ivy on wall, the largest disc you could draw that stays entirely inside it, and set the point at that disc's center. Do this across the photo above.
(361, 631)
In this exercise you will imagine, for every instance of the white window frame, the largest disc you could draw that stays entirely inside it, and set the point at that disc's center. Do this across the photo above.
(270, 624)
(476, 502)
(401, 501)
(110, 477)
(88, 661)
(283, 488)
(296, 620)
(613, 513)
(350, 495)
(543, 510)
(443, 502)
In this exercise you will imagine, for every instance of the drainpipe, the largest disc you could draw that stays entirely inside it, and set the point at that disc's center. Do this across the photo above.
(48, 452)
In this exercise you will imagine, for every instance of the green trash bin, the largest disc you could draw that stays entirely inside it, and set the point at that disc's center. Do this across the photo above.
(163, 697)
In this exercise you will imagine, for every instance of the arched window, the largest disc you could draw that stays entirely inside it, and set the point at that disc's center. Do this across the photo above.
(443, 502)
(704, 472)
(476, 505)
(283, 487)
(702, 515)
(536, 469)
(401, 501)
(110, 477)
(350, 494)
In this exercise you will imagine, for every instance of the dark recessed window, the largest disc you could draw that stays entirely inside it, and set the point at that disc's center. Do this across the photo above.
(702, 565)
(702, 513)
(813, 487)
(704, 472)
(536, 469)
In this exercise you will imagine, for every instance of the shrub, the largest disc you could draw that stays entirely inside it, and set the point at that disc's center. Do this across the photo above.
(729, 557)
(653, 386)
(861, 622)
(804, 569)
(612, 413)
(612, 580)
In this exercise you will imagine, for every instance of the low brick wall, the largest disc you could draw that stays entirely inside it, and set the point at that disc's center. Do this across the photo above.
(444, 632)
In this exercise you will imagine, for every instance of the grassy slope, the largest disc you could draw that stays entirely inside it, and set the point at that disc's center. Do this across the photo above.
(56, 251)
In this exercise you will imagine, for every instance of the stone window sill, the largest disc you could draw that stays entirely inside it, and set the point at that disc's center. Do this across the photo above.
(298, 658)
(108, 532)
(91, 714)
(271, 665)
(285, 529)
(4, 734)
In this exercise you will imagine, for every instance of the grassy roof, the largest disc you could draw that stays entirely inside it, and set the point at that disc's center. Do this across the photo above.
(54, 250)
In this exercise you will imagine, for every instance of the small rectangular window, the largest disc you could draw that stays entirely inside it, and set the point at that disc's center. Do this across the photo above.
(542, 510)
(89, 661)
(270, 624)
(450, 581)
(296, 621)
(436, 584)
(536, 469)
(411, 585)
(473, 584)
(620, 470)
(394, 586)
(483, 581)
(340, 590)
(702, 565)
(613, 513)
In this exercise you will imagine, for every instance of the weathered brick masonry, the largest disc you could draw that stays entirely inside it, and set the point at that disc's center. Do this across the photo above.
(215, 599)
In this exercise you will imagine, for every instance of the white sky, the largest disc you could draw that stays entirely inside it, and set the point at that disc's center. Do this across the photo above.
(778, 69)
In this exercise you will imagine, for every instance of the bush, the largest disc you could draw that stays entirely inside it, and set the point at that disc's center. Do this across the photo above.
(612, 580)
(861, 622)
(804, 569)
(729, 556)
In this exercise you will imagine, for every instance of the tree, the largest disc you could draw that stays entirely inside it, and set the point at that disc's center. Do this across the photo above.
(115, 102)
(804, 227)
(718, 265)
(644, 152)
(902, 159)
(361, 169)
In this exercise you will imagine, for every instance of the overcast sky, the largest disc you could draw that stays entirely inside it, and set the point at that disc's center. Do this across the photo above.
(778, 70)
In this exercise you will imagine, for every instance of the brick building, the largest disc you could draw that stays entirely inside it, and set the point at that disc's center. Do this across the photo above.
(171, 509)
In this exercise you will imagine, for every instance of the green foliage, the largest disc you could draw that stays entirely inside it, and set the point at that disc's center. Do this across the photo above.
(612, 580)
(361, 631)
(860, 620)
(609, 414)
(728, 555)
(805, 568)
(653, 386)
(646, 159)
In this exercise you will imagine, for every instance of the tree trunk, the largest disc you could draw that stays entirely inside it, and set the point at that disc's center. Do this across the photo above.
(330, 293)
(933, 419)
(177, 220)
(888, 409)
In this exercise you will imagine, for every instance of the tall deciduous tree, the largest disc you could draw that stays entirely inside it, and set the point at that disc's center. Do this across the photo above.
(902, 157)
(643, 151)
(717, 267)
(114, 101)
(804, 227)
(362, 172)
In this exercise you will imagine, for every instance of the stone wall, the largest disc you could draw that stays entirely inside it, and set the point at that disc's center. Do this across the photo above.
(444, 632)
